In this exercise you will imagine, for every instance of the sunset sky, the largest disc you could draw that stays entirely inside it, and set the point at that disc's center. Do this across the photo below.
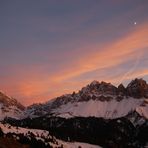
(52, 47)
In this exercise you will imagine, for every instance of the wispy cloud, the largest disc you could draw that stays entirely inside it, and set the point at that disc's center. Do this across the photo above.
(113, 54)
(36, 86)
(58, 47)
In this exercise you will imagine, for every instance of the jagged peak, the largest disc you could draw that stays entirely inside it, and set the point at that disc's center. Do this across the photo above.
(139, 82)
(121, 86)
(121, 90)
(94, 82)
(138, 88)
(102, 83)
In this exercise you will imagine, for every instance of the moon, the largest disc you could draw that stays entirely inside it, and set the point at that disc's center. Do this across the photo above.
(135, 23)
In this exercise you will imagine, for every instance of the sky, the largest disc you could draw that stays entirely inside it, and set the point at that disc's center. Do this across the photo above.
(53, 47)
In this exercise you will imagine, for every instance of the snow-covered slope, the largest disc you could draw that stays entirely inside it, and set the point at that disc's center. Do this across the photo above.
(106, 109)
(42, 135)
(10, 107)
(98, 99)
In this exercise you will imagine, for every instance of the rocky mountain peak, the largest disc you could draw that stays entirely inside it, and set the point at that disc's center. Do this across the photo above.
(99, 88)
(93, 83)
(121, 89)
(138, 88)
(107, 88)
(138, 82)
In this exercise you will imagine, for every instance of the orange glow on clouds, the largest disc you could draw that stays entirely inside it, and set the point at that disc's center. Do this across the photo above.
(53, 48)
(111, 55)
(36, 89)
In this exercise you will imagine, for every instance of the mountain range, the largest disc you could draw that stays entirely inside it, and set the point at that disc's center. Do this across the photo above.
(97, 114)
(97, 100)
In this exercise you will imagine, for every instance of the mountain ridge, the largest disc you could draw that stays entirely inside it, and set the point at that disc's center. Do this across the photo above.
(99, 114)
(100, 99)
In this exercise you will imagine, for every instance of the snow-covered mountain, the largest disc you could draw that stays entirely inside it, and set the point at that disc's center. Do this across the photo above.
(98, 99)
(10, 107)
(100, 114)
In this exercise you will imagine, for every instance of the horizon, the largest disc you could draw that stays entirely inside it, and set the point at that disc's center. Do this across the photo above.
(76, 91)
(50, 48)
